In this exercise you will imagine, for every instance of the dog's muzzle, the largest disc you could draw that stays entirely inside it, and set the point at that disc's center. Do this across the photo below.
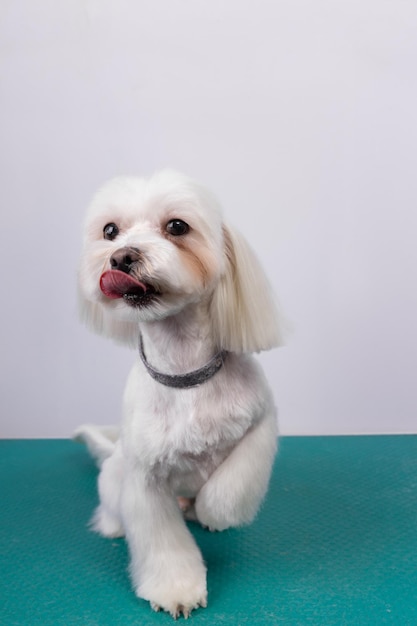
(119, 282)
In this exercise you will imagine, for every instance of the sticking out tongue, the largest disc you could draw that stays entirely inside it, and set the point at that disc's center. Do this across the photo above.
(116, 284)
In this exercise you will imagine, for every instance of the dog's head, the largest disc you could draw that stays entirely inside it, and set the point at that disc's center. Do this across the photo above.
(153, 247)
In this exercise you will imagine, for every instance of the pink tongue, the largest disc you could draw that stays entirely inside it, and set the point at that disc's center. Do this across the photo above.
(115, 284)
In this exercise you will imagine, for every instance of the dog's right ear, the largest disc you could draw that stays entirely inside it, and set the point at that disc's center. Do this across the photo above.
(102, 322)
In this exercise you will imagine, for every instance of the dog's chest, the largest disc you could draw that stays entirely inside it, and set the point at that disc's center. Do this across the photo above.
(182, 429)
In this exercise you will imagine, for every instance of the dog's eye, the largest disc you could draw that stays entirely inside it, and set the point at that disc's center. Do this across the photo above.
(177, 228)
(110, 231)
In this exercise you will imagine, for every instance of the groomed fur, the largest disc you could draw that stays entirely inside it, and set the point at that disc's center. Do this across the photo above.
(243, 309)
(205, 452)
(245, 318)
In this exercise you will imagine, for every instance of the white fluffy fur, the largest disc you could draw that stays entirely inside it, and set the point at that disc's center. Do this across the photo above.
(205, 452)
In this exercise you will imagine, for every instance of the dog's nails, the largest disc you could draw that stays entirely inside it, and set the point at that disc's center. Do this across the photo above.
(155, 607)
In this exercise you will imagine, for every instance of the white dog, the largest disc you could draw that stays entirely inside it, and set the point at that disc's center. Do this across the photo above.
(160, 270)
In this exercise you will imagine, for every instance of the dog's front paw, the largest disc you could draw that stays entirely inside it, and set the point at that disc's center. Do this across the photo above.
(177, 595)
(213, 517)
(217, 513)
(176, 609)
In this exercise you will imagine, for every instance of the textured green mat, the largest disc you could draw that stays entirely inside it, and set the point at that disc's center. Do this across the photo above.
(335, 543)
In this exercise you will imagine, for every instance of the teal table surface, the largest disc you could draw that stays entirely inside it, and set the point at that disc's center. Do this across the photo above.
(335, 542)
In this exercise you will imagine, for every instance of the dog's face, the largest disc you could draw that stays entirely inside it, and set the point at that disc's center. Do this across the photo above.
(154, 246)
(151, 247)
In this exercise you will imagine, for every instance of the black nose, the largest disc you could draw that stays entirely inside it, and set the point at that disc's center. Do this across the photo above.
(124, 258)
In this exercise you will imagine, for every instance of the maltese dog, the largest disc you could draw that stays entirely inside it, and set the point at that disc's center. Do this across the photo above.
(160, 270)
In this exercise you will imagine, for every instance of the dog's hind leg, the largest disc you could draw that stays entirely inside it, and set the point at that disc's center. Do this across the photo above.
(107, 519)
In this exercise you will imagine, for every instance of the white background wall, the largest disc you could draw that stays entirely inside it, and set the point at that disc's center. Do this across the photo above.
(300, 115)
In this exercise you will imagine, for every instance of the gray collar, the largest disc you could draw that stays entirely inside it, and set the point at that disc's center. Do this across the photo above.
(184, 381)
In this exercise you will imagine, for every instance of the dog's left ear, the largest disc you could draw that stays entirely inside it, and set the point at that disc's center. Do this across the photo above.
(245, 316)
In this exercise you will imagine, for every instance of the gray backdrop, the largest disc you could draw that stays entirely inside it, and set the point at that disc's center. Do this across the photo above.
(300, 115)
